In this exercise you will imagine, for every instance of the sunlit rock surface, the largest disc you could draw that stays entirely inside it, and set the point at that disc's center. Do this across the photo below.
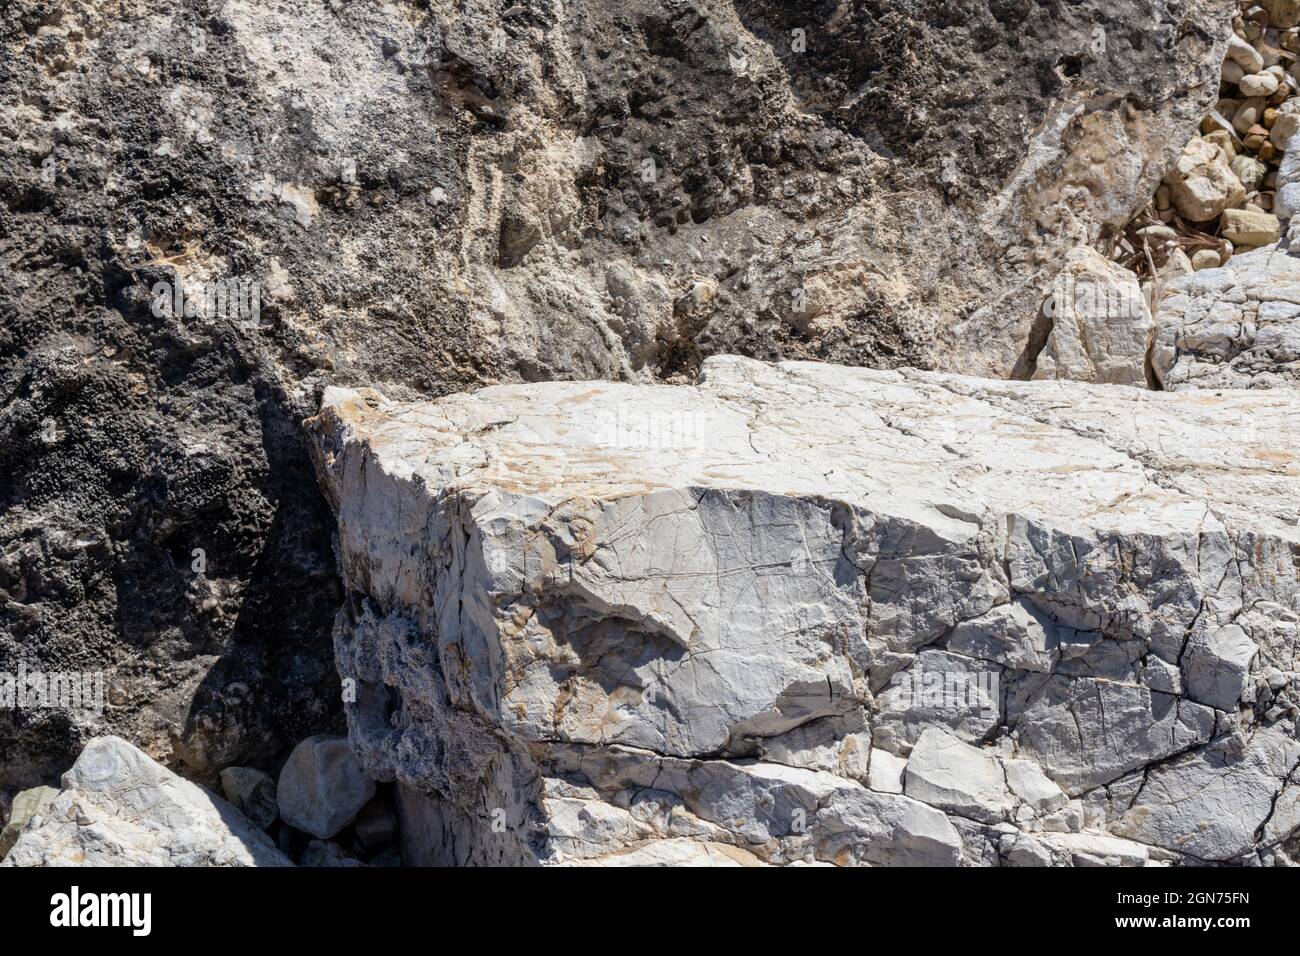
(586, 618)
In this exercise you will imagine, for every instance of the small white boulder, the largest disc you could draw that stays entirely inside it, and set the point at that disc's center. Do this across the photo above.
(322, 786)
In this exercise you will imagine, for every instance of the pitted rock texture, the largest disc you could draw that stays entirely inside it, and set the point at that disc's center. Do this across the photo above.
(439, 196)
(119, 808)
(1237, 326)
(824, 614)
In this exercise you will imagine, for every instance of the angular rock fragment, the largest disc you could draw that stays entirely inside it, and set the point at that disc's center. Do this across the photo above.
(1029, 784)
(1161, 675)
(588, 618)
(1101, 325)
(1020, 849)
(1249, 171)
(885, 830)
(27, 804)
(119, 808)
(938, 689)
(886, 772)
(1216, 666)
(957, 778)
(1016, 635)
(1202, 183)
(840, 745)
(252, 793)
(1246, 227)
(1092, 849)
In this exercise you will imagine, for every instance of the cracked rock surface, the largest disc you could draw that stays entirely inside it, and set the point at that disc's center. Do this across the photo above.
(1237, 326)
(803, 613)
(1100, 324)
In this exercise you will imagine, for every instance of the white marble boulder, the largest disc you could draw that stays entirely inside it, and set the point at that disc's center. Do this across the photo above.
(823, 615)
(322, 786)
(117, 807)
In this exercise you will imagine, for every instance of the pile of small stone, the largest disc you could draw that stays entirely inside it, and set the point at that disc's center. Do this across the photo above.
(1222, 197)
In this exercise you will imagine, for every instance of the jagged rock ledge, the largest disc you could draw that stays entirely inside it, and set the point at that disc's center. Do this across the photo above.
(804, 613)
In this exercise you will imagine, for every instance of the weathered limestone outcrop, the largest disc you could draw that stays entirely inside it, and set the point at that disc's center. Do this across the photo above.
(823, 614)
(119, 808)
(1237, 326)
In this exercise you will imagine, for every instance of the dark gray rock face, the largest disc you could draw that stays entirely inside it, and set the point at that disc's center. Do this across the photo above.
(437, 197)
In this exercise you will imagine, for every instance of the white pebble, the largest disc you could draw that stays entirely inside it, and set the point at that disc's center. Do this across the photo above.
(1258, 84)
(1245, 54)
(1205, 259)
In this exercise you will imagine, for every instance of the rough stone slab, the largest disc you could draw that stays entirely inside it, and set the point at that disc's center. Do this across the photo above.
(1091, 849)
(1212, 803)
(119, 808)
(677, 852)
(939, 689)
(957, 778)
(886, 774)
(1087, 732)
(1237, 326)
(600, 614)
(882, 829)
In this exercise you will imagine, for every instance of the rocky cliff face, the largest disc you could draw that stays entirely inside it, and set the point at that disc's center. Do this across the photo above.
(623, 622)
(432, 197)
(797, 608)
